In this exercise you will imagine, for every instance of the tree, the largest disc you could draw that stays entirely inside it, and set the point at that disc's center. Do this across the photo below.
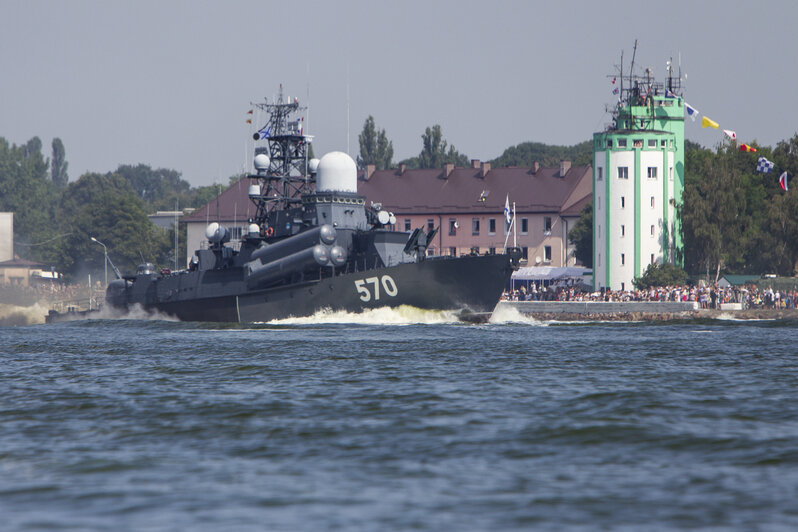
(660, 275)
(25, 190)
(581, 236)
(375, 148)
(158, 189)
(526, 153)
(434, 153)
(106, 207)
(58, 164)
(716, 211)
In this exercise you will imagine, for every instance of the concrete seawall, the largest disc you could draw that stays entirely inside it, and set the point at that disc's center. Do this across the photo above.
(639, 310)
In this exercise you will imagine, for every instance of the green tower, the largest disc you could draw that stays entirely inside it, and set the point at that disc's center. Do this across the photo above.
(638, 178)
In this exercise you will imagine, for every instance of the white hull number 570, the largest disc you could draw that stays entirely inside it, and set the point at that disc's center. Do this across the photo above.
(370, 287)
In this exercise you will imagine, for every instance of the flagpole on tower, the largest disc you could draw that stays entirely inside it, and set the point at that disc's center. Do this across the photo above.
(515, 229)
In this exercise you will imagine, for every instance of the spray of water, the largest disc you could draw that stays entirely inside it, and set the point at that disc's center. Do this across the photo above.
(13, 315)
(507, 314)
(402, 315)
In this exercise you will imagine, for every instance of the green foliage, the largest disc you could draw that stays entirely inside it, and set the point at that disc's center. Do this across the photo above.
(25, 190)
(58, 164)
(735, 219)
(581, 236)
(660, 275)
(106, 207)
(434, 152)
(375, 148)
(526, 153)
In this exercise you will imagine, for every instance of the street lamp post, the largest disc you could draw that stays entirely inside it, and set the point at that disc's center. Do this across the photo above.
(105, 250)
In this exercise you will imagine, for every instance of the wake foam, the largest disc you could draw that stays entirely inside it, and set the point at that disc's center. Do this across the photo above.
(507, 314)
(402, 315)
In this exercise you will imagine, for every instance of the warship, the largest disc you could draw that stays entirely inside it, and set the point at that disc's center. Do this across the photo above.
(313, 244)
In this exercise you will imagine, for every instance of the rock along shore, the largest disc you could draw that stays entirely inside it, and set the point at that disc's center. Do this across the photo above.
(638, 311)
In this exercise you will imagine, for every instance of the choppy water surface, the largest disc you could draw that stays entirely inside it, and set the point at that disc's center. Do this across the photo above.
(417, 423)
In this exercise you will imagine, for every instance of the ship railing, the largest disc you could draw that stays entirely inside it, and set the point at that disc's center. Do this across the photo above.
(94, 301)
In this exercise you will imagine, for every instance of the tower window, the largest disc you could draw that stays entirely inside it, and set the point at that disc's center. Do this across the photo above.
(623, 259)
(652, 172)
(670, 173)
(599, 173)
(609, 143)
(623, 202)
(652, 143)
(652, 230)
(652, 258)
(623, 172)
(623, 230)
(621, 143)
(652, 201)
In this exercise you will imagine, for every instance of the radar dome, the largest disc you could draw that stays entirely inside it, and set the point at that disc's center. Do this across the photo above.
(262, 162)
(336, 173)
(313, 165)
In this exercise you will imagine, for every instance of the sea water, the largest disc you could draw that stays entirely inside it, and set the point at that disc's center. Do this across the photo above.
(399, 420)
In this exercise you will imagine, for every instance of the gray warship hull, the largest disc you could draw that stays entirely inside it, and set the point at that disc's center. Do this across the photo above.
(470, 286)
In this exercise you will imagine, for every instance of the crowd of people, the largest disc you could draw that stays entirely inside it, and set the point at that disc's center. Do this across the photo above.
(708, 297)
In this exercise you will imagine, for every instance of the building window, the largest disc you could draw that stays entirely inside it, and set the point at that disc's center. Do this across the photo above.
(475, 226)
(547, 225)
(599, 173)
(452, 227)
(623, 230)
(623, 202)
(598, 259)
(621, 143)
(638, 143)
(453, 252)
(652, 172)
(662, 143)
(623, 259)
(492, 226)
(430, 224)
(670, 173)
(622, 287)
(524, 226)
(492, 251)
(547, 253)
(623, 172)
(235, 233)
(524, 253)
(652, 201)
(652, 143)
(407, 224)
(652, 230)
(609, 143)
(652, 259)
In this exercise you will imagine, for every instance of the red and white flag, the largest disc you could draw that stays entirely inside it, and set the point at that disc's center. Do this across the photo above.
(783, 181)
(731, 134)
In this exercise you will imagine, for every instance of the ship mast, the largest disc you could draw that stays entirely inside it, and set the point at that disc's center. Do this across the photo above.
(286, 178)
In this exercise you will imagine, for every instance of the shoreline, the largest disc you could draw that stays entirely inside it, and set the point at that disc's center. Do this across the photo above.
(638, 311)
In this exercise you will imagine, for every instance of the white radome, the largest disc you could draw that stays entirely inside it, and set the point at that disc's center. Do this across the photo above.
(313, 165)
(336, 172)
(262, 162)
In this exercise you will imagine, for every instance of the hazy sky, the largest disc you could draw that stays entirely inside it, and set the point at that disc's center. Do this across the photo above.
(168, 83)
